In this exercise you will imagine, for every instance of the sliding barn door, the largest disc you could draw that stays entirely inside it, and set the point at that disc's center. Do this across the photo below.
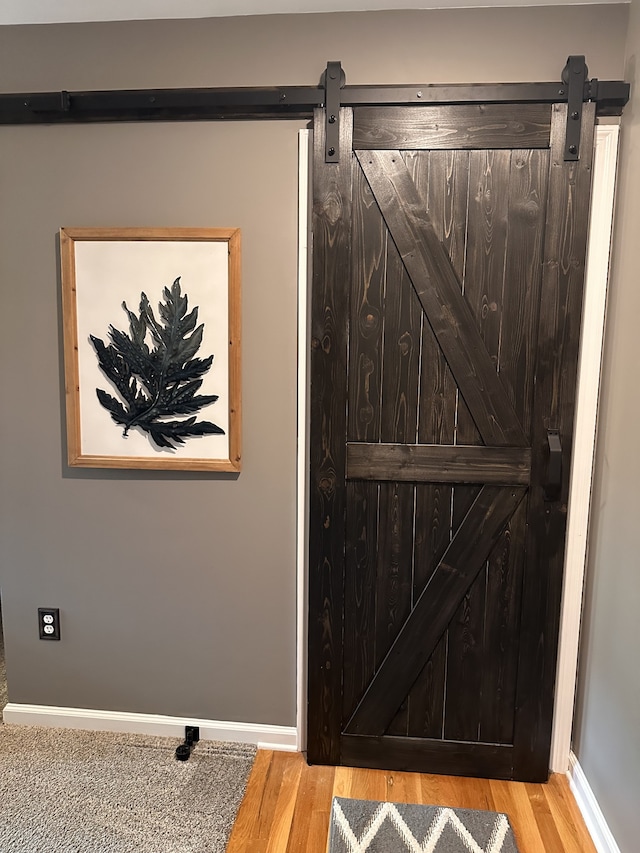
(448, 261)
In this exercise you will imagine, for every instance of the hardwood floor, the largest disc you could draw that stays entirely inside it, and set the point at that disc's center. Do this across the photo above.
(287, 803)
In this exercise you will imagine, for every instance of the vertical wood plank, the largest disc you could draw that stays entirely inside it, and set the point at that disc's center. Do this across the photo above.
(342, 782)
(245, 828)
(426, 700)
(512, 798)
(445, 192)
(369, 248)
(501, 632)
(488, 219)
(484, 285)
(464, 664)
(456, 792)
(402, 341)
(332, 185)
(360, 592)
(268, 805)
(445, 197)
(368, 277)
(280, 830)
(403, 787)
(395, 552)
(554, 400)
(465, 634)
(544, 819)
(523, 278)
(398, 423)
(566, 816)
(368, 784)
(516, 361)
(473, 793)
(310, 824)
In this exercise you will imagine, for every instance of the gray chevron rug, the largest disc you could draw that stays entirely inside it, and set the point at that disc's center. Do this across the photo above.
(364, 826)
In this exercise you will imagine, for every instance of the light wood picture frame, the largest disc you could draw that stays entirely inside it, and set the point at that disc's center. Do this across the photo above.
(152, 347)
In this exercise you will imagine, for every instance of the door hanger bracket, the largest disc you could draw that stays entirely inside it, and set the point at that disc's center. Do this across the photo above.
(574, 79)
(333, 80)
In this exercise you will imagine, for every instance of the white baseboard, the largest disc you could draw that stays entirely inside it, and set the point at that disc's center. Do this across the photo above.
(263, 736)
(588, 805)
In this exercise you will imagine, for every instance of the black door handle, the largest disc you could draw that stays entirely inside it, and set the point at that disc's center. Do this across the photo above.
(553, 483)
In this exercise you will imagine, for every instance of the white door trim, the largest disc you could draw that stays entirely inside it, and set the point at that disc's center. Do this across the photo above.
(592, 337)
(605, 163)
(304, 137)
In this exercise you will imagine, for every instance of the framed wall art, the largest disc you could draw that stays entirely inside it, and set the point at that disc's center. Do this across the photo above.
(151, 320)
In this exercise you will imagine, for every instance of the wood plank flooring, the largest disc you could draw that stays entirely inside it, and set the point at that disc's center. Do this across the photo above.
(287, 803)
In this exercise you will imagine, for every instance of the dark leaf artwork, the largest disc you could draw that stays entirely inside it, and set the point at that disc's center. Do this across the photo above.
(159, 382)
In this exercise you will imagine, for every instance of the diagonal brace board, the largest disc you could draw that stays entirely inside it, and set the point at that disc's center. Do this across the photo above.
(436, 285)
(435, 608)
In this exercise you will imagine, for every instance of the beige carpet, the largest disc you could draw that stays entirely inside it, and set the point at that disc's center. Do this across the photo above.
(93, 792)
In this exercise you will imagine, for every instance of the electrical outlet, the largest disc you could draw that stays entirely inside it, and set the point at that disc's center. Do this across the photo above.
(49, 623)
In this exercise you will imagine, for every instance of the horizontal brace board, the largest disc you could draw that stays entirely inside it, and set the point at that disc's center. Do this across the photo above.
(293, 102)
(443, 127)
(439, 463)
(427, 755)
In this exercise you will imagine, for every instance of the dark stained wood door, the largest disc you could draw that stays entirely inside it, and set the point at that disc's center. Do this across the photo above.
(448, 266)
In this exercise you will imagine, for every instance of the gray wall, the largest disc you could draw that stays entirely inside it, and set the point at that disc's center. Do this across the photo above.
(607, 729)
(178, 592)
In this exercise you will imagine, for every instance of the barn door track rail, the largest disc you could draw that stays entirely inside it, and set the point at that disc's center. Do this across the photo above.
(299, 102)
